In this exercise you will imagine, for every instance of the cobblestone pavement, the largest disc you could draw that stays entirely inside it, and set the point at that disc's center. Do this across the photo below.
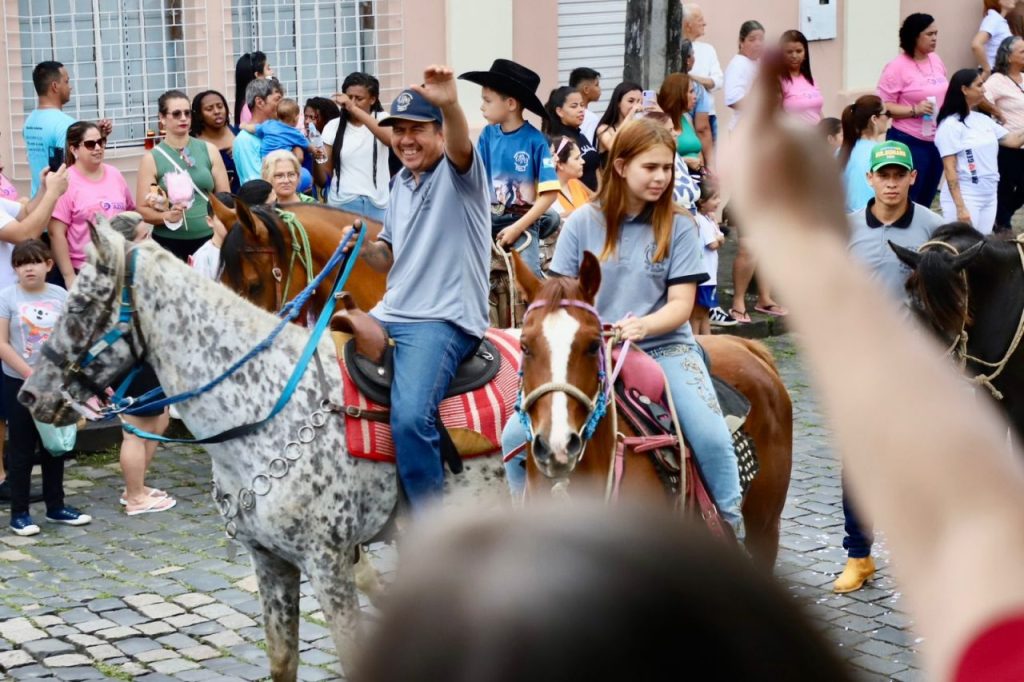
(158, 596)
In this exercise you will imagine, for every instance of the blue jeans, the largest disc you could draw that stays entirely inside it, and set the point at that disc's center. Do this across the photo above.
(927, 163)
(426, 357)
(364, 207)
(544, 227)
(702, 422)
(859, 535)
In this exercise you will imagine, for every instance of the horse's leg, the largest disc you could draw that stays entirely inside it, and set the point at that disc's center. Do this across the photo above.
(279, 593)
(331, 575)
(367, 578)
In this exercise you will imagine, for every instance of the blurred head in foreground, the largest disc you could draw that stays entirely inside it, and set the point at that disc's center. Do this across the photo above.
(586, 592)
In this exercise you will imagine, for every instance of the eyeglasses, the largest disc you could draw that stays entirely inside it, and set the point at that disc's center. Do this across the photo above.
(91, 144)
(180, 113)
(290, 175)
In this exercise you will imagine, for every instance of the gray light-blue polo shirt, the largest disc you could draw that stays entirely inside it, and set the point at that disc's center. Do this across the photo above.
(869, 243)
(440, 235)
(631, 281)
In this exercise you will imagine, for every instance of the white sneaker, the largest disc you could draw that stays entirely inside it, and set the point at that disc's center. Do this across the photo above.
(720, 318)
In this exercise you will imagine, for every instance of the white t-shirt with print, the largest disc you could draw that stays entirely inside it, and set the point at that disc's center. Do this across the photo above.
(355, 177)
(975, 143)
(998, 30)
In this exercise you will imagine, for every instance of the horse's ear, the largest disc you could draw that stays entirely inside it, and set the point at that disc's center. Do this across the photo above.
(527, 282)
(965, 258)
(908, 256)
(249, 221)
(590, 276)
(224, 213)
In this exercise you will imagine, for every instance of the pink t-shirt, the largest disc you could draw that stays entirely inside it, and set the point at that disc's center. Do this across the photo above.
(84, 199)
(802, 98)
(7, 190)
(908, 82)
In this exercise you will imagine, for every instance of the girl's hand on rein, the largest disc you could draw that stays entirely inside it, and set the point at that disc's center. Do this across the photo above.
(631, 329)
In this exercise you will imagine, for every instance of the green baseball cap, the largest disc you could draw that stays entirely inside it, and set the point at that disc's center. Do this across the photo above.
(891, 154)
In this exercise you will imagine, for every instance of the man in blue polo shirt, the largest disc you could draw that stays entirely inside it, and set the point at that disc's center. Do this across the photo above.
(435, 247)
(890, 217)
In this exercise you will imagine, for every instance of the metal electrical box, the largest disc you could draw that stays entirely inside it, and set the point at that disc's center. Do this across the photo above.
(818, 19)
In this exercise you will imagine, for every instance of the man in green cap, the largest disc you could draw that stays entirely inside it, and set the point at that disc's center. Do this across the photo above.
(890, 217)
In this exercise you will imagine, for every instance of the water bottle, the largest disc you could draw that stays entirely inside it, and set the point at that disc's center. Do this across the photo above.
(928, 120)
(316, 142)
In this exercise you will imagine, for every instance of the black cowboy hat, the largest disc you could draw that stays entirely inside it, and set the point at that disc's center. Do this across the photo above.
(514, 80)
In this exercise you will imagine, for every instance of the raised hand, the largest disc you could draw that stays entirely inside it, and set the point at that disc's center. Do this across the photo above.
(779, 171)
(438, 86)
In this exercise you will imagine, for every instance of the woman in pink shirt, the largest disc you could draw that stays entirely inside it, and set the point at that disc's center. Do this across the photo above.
(911, 86)
(1005, 89)
(800, 96)
(93, 187)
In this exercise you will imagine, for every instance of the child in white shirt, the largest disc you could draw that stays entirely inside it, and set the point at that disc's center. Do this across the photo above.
(706, 310)
(206, 259)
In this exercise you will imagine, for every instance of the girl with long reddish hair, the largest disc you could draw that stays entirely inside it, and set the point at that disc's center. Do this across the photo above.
(651, 263)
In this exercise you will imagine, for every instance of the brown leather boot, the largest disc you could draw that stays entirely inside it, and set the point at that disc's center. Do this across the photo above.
(853, 577)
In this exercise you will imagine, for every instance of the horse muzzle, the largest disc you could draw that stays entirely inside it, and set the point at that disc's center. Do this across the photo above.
(557, 462)
(47, 407)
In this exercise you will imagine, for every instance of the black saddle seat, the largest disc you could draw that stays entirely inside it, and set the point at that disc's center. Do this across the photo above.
(374, 379)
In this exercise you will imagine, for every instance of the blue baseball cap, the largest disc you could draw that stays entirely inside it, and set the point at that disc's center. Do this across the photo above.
(411, 106)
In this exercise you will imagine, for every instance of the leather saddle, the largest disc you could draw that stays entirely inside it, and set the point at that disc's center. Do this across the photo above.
(368, 355)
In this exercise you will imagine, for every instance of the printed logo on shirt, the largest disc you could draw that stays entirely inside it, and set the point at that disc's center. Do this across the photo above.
(548, 163)
(522, 161)
(113, 205)
(37, 320)
(654, 267)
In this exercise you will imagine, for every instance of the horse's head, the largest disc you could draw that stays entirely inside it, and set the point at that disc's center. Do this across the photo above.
(94, 341)
(937, 285)
(562, 364)
(254, 254)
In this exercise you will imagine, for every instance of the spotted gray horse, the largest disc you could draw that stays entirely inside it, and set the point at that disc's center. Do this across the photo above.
(289, 491)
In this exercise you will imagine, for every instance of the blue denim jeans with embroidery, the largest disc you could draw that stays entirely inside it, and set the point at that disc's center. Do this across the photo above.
(704, 426)
(364, 207)
(426, 357)
(702, 422)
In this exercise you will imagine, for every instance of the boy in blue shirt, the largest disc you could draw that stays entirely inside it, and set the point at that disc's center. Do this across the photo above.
(517, 156)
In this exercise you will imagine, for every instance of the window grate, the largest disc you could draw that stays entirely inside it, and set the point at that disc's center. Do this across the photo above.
(313, 44)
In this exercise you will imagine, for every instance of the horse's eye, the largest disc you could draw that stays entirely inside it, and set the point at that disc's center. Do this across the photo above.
(594, 348)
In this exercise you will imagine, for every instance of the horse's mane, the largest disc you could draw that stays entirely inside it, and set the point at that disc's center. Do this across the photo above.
(941, 291)
(555, 289)
(233, 252)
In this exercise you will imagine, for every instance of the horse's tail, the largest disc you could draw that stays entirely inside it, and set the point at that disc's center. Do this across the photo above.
(763, 354)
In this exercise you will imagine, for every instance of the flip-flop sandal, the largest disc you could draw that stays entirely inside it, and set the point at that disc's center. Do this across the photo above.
(156, 504)
(153, 492)
(740, 316)
(774, 310)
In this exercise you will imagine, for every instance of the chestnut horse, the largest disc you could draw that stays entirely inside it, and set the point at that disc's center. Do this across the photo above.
(746, 365)
(258, 253)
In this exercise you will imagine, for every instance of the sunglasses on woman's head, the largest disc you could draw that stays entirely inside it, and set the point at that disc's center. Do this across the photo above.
(91, 144)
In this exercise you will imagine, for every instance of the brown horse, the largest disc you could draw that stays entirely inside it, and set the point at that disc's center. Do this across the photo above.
(746, 365)
(258, 253)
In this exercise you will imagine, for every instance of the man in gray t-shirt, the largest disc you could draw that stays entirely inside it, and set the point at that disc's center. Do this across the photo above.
(890, 217)
(435, 247)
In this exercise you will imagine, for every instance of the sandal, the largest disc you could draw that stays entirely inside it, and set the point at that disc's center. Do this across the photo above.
(153, 505)
(153, 492)
(740, 316)
(774, 310)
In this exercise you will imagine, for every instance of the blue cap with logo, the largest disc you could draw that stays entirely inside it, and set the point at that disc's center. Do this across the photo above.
(411, 106)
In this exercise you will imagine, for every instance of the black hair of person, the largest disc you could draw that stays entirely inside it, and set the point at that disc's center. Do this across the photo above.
(552, 125)
(372, 85)
(161, 103)
(30, 251)
(748, 27)
(856, 119)
(325, 108)
(196, 129)
(611, 114)
(581, 75)
(44, 75)
(75, 136)
(246, 68)
(793, 36)
(913, 26)
(955, 102)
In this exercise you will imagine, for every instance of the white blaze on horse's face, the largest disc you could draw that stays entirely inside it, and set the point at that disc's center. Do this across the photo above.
(560, 330)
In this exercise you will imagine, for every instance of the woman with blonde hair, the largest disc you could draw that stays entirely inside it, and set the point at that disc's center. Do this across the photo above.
(651, 263)
(281, 169)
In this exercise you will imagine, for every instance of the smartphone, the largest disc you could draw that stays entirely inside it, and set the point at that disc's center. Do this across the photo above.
(649, 99)
(56, 159)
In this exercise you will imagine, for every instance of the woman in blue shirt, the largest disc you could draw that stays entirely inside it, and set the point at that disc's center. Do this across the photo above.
(865, 123)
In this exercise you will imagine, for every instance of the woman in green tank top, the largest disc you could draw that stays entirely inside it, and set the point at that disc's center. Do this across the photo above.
(179, 229)
(676, 98)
